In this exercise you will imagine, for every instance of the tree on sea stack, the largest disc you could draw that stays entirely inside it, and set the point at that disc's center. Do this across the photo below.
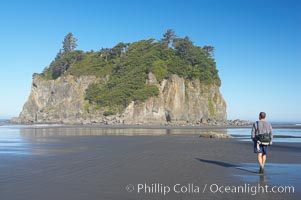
(64, 58)
(69, 43)
(209, 49)
(168, 37)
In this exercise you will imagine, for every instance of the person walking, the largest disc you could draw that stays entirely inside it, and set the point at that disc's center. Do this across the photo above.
(262, 137)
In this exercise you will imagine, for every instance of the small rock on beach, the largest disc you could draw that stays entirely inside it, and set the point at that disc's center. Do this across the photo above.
(215, 135)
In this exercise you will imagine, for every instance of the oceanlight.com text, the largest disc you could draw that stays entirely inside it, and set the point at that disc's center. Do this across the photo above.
(249, 189)
(192, 188)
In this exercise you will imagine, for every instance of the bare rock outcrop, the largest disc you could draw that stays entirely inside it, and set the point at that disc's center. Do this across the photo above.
(179, 102)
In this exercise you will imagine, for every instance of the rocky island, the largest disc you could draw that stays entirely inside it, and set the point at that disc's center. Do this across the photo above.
(170, 81)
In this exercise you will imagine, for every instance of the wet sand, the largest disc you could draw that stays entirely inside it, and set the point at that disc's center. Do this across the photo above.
(100, 167)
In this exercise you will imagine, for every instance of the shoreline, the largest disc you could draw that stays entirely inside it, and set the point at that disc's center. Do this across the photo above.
(142, 126)
(210, 124)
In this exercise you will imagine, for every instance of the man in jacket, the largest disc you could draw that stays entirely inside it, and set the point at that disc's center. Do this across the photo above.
(261, 127)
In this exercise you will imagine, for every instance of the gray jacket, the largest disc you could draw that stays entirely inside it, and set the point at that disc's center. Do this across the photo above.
(263, 127)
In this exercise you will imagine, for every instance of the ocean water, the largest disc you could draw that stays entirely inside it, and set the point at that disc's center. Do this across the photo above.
(280, 134)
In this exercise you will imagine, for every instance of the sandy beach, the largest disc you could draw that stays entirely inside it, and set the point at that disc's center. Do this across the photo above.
(145, 167)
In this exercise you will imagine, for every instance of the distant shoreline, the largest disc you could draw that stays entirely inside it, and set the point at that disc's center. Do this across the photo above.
(212, 124)
(123, 126)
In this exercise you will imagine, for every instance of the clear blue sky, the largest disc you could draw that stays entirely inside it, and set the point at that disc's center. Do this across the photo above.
(257, 42)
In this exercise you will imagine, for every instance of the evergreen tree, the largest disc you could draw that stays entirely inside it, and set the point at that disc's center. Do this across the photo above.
(183, 46)
(69, 43)
(209, 49)
(168, 37)
(59, 55)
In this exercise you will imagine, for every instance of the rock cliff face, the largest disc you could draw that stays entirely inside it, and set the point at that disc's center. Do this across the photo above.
(54, 101)
(179, 102)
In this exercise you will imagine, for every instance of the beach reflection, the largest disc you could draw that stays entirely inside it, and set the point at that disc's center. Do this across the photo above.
(11, 142)
(94, 131)
(275, 174)
(262, 180)
(39, 140)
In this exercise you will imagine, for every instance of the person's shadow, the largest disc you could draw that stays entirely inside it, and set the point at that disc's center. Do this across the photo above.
(226, 165)
(229, 165)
